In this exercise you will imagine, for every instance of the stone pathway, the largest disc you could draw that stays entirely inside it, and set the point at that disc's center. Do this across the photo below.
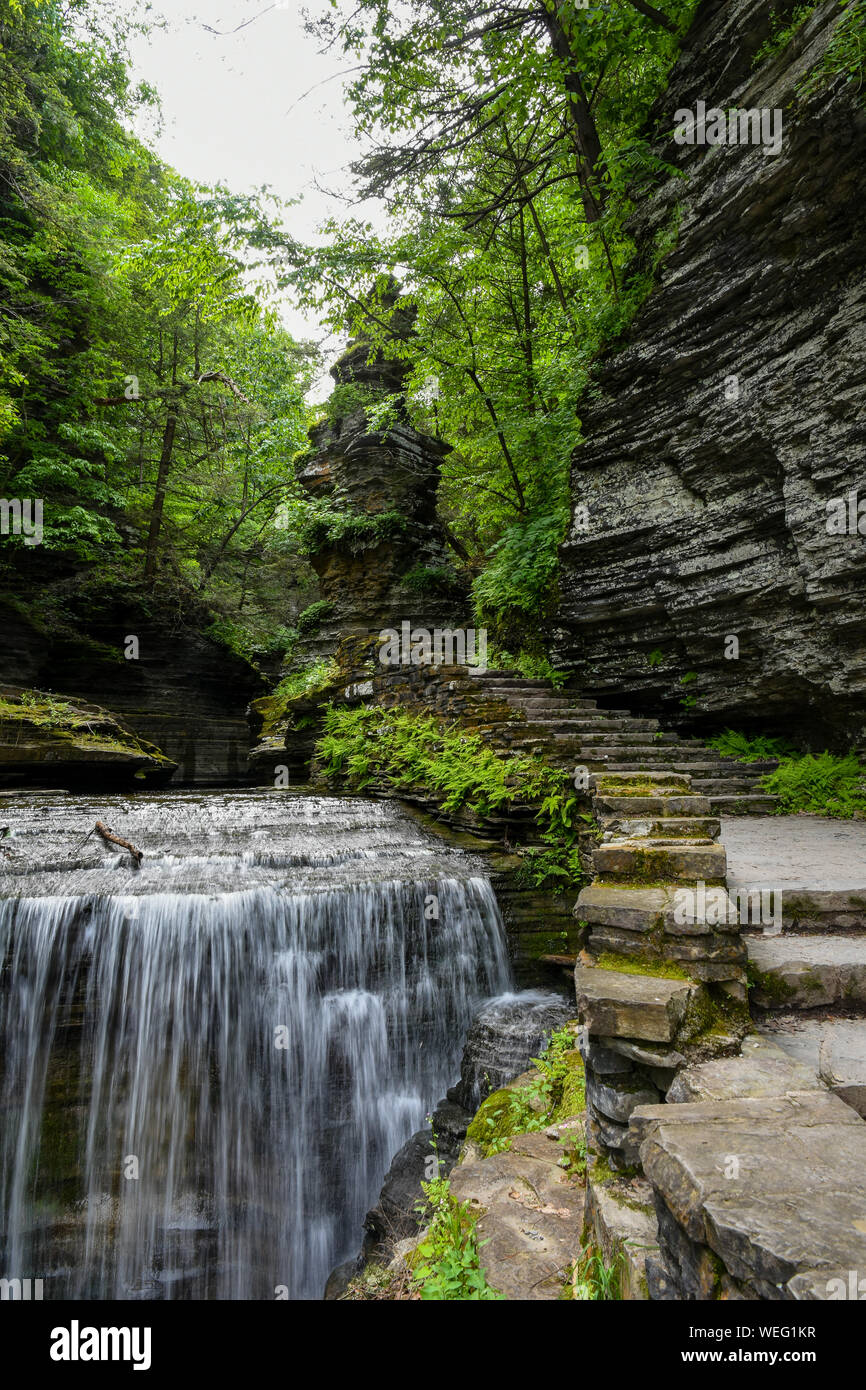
(614, 741)
(791, 852)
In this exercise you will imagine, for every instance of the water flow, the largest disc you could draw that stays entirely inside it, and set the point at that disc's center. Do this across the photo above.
(207, 1065)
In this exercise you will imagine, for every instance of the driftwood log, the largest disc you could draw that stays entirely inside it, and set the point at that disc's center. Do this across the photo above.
(113, 839)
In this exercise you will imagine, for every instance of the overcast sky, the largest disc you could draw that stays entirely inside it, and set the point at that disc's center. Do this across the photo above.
(234, 107)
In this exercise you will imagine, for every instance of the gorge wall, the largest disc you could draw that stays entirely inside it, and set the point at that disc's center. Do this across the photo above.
(719, 430)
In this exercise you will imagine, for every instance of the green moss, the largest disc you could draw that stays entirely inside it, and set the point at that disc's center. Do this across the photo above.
(773, 987)
(557, 1093)
(639, 965)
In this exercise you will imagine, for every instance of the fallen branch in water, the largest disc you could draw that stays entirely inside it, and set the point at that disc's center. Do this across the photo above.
(113, 839)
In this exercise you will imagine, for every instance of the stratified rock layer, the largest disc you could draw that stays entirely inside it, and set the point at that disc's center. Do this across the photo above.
(715, 438)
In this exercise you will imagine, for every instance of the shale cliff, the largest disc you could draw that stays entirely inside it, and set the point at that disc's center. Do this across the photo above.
(715, 494)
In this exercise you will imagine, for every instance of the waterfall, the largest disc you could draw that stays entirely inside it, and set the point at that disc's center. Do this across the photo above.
(207, 1066)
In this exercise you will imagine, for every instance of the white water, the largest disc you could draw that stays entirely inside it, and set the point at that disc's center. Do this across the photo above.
(253, 1024)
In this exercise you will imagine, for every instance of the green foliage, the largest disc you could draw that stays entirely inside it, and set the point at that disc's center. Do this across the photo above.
(845, 55)
(823, 785)
(516, 588)
(592, 1278)
(368, 743)
(656, 657)
(733, 744)
(509, 237)
(558, 1093)
(128, 307)
(353, 531)
(311, 619)
(447, 1265)
(783, 32)
(425, 579)
(305, 683)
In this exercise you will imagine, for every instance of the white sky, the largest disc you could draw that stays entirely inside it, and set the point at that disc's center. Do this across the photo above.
(232, 107)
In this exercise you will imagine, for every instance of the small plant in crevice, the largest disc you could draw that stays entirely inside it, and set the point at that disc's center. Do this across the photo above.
(592, 1278)
(446, 1266)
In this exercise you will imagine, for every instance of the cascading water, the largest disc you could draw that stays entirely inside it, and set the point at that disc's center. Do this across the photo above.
(207, 1064)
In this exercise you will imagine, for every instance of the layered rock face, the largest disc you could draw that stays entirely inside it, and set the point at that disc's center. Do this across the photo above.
(394, 565)
(183, 693)
(717, 436)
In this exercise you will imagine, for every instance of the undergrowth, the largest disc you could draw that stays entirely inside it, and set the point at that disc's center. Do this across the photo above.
(367, 744)
(446, 1264)
(733, 744)
(822, 784)
(558, 1093)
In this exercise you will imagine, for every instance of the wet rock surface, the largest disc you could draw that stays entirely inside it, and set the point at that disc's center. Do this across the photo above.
(729, 418)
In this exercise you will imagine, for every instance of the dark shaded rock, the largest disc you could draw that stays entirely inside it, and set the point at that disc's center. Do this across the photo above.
(396, 1215)
(340, 1278)
(185, 694)
(503, 1039)
(49, 740)
(707, 498)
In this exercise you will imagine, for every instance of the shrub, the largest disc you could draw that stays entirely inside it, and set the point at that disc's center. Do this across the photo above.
(312, 618)
(824, 785)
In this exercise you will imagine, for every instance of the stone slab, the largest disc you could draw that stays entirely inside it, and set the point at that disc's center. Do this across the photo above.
(614, 1004)
(790, 852)
(773, 1185)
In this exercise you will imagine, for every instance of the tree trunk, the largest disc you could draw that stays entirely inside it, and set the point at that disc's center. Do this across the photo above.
(159, 496)
(584, 131)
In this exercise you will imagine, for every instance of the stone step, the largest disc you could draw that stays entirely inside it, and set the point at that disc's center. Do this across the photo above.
(659, 861)
(592, 726)
(505, 682)
(656, 827)
(646, 910)
(744, 804)
(635, 737)
(623, 750)
(607, 781)
(705, 772)
(552, 703)
(725, 786)
(677, 804)
(808, 971)
(612, 1004)
(789, 1219)
(832, 1048)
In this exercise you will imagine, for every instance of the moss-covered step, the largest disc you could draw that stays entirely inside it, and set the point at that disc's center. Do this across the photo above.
(652, 861)
(613, 1003)
(657, 910)
(808, 972)
(59, 739)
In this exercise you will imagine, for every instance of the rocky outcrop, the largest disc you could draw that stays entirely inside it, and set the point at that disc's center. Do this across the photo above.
(720, 430)
(503, 1039)
(380, 553)
(182, 692)
(62, 743)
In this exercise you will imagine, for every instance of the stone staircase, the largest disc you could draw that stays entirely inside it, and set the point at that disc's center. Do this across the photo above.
(809, 994)
(615, 741)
